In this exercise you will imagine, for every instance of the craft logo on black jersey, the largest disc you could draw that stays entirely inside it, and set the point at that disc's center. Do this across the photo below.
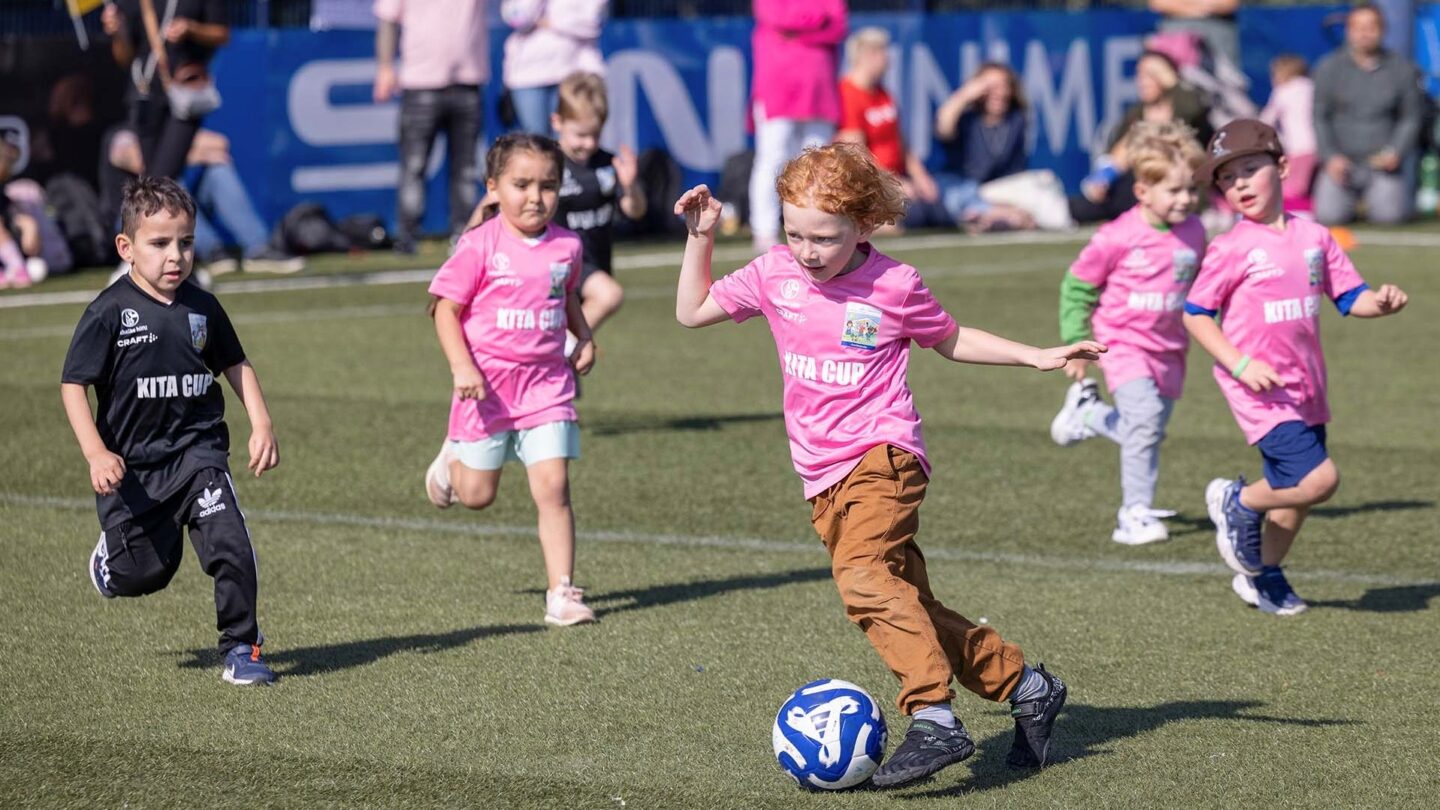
(199, 332)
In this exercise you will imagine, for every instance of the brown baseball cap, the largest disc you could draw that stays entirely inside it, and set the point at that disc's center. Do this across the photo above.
(1241, 137)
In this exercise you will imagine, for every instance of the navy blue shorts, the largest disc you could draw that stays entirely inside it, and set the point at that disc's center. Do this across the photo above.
(1290, 451)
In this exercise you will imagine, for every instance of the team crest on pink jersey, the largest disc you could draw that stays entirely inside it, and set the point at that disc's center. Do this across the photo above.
(500, 262)
(559, 272)
(1136, 260)
(790, 289)
(1315, 261)
(862, 326)
(1185, 264)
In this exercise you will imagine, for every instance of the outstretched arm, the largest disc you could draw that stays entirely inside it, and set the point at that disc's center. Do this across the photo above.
(264, 450)
(977, 346)
(1387, 300)
(694, 307)
(106, 468)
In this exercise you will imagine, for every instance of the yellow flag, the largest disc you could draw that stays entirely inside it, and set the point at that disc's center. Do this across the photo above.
(79, 8)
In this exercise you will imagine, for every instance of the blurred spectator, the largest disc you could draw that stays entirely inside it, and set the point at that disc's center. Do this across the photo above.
(1213, 20)
(868, 116)
(1367, 125)
(445, 59)
(1108, 191)
(795, 101)
(1291, 111)
(982, 128)
(224, 214)
(167, 45)
(551, 39)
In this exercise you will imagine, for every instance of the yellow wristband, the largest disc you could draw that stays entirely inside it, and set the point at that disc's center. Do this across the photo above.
(1240, 367)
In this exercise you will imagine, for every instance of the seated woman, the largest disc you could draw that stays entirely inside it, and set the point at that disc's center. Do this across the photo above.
(1108, 192)
(982, 129)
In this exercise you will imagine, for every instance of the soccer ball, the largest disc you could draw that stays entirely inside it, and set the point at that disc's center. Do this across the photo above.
(829, 735)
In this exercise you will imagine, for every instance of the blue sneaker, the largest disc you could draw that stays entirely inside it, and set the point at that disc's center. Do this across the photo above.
(97, 569)
(243, 667)
(1275, 594)
(1237, 530)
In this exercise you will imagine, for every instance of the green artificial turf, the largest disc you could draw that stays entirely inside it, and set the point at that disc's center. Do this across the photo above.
(416, 669)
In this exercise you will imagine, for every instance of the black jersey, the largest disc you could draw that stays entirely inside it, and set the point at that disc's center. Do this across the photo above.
(154, 367)
(589, 194)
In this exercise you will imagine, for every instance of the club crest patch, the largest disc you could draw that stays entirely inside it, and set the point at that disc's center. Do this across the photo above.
(605, 176)
(862, 326)
(559, 274)
(199, 331)
(1185, 263)
(1315, 261)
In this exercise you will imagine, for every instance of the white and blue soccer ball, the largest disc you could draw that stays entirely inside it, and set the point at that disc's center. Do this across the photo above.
(829, 735)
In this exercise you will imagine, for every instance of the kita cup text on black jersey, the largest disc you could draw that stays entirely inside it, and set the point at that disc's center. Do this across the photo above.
(155, 369)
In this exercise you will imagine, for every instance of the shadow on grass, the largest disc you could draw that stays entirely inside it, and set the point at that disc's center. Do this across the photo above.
(326, 658)
(1184, 524)
(617, 426)
(612, 602)
(1398, 599)
(1087, 731)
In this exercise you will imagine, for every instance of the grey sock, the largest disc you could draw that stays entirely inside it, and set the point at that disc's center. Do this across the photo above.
(939, 714)
(1032, 686)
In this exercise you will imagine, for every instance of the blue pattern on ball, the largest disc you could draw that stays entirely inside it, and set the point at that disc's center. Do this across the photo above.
(829, 735)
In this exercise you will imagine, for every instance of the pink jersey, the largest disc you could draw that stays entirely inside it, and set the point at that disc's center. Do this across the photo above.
(1146, 273)
(844, 350)
(1268, 284)
(513, 292)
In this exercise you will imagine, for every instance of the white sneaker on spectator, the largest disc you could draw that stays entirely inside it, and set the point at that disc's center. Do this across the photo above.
(565, 606)
(273, 261)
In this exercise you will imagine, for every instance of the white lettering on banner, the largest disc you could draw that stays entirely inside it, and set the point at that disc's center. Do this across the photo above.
(319, 122)
(1074, 98)
(630, 72)
(1120, 56)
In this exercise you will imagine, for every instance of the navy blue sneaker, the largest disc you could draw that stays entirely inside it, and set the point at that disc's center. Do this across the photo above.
(1275, 594)
(97, 569)
(1237, 529)
(243, 667)
(1035, 723)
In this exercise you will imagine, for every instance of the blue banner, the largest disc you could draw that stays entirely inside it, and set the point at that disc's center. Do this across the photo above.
(303, 126)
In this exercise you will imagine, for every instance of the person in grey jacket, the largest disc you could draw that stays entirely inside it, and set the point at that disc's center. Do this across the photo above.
(1367, 124)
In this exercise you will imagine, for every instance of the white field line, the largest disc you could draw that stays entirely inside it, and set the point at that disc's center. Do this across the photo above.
(1049, 561)
(664, 260)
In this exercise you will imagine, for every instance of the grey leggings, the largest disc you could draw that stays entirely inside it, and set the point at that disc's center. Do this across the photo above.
(1137, 423)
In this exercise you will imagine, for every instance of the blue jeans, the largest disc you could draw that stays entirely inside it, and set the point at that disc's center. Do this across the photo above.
(221, 199)
(533, 106)
(960, 196)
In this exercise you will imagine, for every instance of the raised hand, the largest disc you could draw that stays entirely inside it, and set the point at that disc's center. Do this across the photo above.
(701, 211)
(627, 167)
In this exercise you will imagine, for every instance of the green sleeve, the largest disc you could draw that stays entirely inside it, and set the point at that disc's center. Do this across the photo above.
(1077, 301)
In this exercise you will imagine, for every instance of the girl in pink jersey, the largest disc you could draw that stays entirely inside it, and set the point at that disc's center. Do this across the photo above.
(1132, 278)
(502, 305)
(843, 316)
(1265, 279)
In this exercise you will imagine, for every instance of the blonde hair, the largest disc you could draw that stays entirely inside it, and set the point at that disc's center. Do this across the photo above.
(843, 179)
(582, 95)
(1155, 148)
(1288, 66)
(871, 37)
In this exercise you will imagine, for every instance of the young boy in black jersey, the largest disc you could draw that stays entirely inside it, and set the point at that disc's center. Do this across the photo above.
(595, 183)
(152, 345)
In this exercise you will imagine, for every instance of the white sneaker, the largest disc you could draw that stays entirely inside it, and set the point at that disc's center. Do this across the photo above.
(564, 606)
(223, 267)
(437, 478)
(1068, 427)
(1244, 588)
(1138, 525)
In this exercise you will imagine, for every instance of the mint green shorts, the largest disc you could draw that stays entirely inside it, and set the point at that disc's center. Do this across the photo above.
(529, 446)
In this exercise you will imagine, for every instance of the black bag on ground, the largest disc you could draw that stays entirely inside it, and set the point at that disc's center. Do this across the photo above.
(365, 232)
(659, 177)
(77, 212)
(735, 183)
(307, 229)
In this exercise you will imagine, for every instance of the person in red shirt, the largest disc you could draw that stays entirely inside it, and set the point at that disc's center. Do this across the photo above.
(869, 117)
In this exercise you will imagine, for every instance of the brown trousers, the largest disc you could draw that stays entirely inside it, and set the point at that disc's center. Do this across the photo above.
(868, 523)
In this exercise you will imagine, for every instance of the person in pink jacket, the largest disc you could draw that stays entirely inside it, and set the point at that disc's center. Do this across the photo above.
(551, 39)
(794, 95)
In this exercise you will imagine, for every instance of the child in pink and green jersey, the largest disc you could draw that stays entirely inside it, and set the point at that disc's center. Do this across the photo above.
(1126, 290)
(1265, 279)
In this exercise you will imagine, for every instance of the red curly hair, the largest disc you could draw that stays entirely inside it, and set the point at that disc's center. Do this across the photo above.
(843, 179)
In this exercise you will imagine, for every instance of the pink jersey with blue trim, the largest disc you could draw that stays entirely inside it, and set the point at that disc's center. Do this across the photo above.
(844, 351)
(1268, 285)
(1145, 273)
(513, 294)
